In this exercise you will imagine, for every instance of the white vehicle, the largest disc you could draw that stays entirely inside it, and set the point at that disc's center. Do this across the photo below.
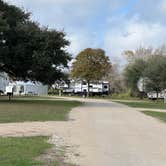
(153, 95)
(79, 87)
(95, 88)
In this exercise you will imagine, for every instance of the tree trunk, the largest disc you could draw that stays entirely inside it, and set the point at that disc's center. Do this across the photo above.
(9, 97)
(88, 92)
(157, 95)
(60, 92)
(141, 95)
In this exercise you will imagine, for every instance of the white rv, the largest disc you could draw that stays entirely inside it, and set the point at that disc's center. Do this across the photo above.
(100, 87)
(80, 87)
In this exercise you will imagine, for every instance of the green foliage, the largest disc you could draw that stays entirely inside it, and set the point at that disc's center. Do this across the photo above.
(124, 95)
(91, 65)
(133, 72)
(151, 66)
(30, 51)
(155, 72)
(22, 151)
(53, 91)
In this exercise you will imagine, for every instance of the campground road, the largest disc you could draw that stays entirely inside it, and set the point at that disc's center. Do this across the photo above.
(111, 134)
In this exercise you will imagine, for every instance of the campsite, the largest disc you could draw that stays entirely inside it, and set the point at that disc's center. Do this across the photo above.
(82, 83)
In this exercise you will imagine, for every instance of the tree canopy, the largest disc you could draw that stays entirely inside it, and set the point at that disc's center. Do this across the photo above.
(155, 73)
(149, 64)
(133, 72)
(29, 51)
(90, 65)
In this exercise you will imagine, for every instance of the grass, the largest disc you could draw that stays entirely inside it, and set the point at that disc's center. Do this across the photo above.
(22, 151)
(144, 104)
(159, 115)
(37, 109)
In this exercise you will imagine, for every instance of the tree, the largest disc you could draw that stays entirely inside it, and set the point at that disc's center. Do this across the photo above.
(140, 53)
(90, 65)
(155, 74)
(132, 73)
(116, 80)
(28, 51)
(148, 64)
(134, 70)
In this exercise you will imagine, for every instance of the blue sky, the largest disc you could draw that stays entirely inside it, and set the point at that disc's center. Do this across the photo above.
(113, 25)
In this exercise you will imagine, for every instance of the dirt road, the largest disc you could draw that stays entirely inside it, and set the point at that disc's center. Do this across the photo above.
(104, 134)
(111, 134)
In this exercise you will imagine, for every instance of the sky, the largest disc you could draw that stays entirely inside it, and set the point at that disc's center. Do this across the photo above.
(113, 25)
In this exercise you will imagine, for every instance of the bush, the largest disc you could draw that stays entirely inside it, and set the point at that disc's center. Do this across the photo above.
(123, 95)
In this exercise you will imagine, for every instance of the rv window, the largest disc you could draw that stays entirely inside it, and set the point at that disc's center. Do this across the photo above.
(90, 86)
(105, 87)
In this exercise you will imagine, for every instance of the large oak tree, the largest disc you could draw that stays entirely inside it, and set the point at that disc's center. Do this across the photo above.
(28, 51)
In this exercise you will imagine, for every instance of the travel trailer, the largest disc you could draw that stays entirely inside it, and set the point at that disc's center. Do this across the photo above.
(81, 87)
(100, 87)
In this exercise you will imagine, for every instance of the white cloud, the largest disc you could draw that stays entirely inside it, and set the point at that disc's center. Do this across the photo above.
(60, 12)
(162, 7)
(133, 35)
(80, 41)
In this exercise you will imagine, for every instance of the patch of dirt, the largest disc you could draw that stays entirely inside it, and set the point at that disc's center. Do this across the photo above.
(58, 154)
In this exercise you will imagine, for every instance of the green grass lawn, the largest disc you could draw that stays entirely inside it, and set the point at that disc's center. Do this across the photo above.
(144, 104)
(37, 109)
(22, 151)
(159, 115)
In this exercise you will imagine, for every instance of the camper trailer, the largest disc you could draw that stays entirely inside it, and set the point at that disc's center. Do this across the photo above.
(99, 88)
(81, 87)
